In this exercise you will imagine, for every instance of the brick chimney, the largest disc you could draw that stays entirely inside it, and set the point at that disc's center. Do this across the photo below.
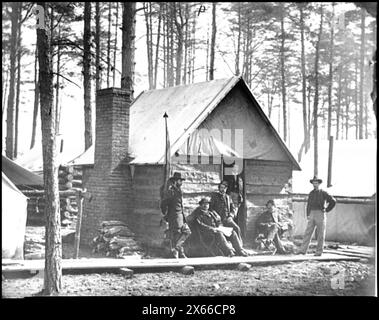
(109, 180)
(112, 127)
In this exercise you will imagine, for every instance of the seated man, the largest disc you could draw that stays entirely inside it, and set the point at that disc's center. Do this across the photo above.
(269, 226)
(223, 205)
(209, 223)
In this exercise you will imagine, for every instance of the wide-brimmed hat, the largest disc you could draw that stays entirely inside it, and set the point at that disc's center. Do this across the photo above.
(204, 200)
(177, 176)
(315, 179)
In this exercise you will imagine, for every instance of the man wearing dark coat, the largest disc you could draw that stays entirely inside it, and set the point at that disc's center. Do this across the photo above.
(319, 203)
(208, 222)
(222, 203)
(172, 209)
(269, 225)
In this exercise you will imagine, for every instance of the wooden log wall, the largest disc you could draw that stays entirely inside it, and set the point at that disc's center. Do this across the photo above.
(146, 215)
(69, 177)
(265, 180)
(201, 180)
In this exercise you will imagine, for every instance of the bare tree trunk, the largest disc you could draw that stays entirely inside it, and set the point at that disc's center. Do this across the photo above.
(339, 98)
(207, 61)
(179, 31)
(9, 141)
(53, 248)
(362, 70)
(356, 93)
(303, 75)
(109, 44)
(36, 100)
(315, 110)
(128, 40)
(347, 119)
(57, 107)
(98, 49)
(238, 53)
(213, 43)
(168, 44)
(87, 76)
(366, 118)
(149, 43)
(330, 83)
(186, 45)
(157, 47)
(5, 92)
(115, 47)
(309, 113)
(164, 40)
(19, 53)
(193, 50)
(282, 73)
(171, 77)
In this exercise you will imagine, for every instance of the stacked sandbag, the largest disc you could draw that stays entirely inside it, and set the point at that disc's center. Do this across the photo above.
(115, 240)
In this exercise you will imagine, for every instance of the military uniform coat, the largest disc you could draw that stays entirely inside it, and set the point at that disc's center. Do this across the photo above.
(223, 205)
(172, 204)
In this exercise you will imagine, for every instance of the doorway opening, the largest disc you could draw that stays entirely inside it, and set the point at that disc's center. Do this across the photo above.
(236, 190)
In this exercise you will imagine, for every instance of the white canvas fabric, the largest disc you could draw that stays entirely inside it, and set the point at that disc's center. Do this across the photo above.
(13, 220)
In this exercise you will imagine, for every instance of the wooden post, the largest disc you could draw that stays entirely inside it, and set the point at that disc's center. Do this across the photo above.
(79, 201)
(330, 161)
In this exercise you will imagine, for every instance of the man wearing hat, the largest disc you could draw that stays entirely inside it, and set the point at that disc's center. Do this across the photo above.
(172, 207)
(208, 222)
(319, 203)
(269, 226)
(222, 203)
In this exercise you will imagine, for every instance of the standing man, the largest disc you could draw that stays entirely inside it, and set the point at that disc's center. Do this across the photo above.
(319, 203)
(172, 208)
(223, 205)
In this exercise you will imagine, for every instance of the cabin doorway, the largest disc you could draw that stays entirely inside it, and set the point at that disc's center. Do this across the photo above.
(236, 189)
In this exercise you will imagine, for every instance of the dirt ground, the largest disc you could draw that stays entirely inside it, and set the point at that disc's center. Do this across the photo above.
(292, 279)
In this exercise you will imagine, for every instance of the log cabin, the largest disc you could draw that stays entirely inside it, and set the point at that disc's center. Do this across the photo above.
(212, 126)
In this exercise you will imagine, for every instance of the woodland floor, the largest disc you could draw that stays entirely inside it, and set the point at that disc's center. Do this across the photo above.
(306, 278)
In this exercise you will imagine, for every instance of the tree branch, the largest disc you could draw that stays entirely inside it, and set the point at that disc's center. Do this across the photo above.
(58, 74)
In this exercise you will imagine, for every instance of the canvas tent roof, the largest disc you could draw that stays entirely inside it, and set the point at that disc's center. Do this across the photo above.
(86, 158)
(213, 146)
(187, 107)
(354, 168)
(18, 174)
(33, 159)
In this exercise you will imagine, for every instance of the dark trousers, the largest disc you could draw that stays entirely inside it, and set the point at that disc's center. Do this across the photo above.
(222, 242)
(273, 235)
(229, 222)
(179, 237)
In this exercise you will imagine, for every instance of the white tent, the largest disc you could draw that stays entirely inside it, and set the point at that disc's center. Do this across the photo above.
(13, 220)
(354, 168)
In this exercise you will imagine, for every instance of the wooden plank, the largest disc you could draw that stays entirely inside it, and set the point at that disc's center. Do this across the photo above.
(357, 252)
(135, 263)
(79, 200)
(349, 254)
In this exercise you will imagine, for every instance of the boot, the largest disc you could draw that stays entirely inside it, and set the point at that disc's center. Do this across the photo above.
(181, 253)
(175, 253)
(243, 253)
(231, 253)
